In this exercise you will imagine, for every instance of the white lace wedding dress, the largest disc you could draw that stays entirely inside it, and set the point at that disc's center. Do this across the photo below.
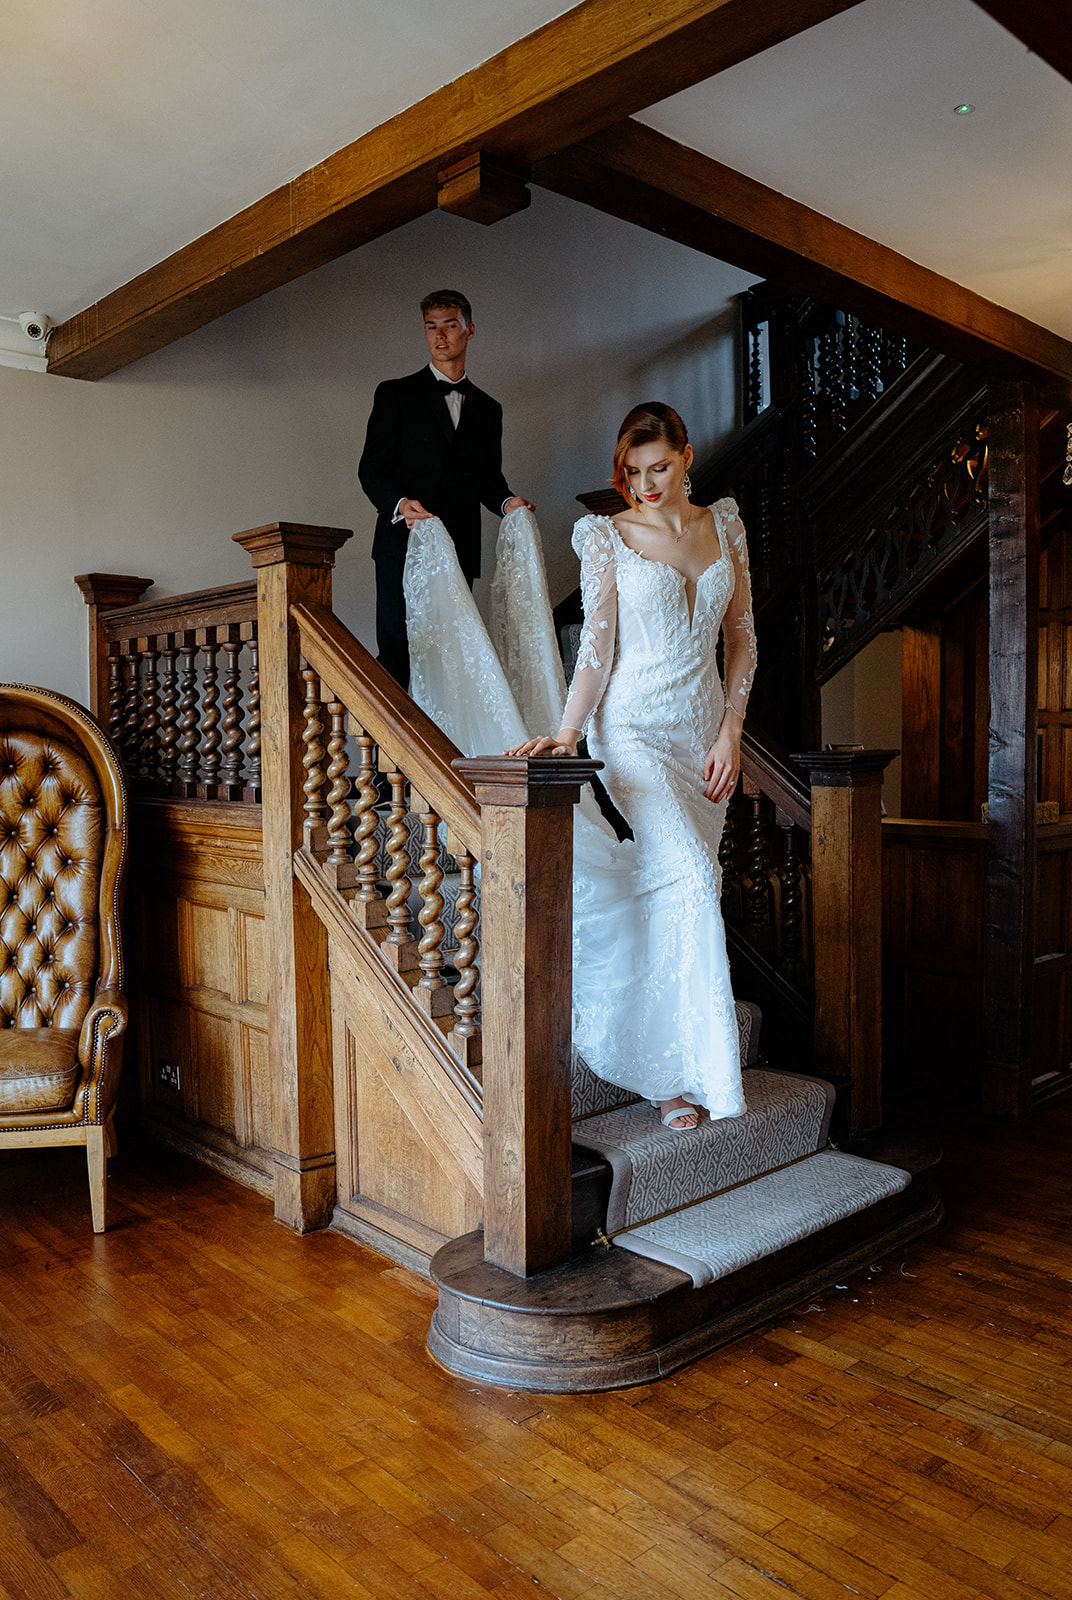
(652, 1006)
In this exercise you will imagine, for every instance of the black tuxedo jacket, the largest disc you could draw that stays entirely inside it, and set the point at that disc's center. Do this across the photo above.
(413, 450)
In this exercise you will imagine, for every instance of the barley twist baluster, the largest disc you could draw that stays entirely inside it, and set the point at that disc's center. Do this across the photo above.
(755, 372)
(870, 374)
(253, 722)
(115, 696)
(150, 712)
(313, 762)
(429, 953)
(132, 711)
(809, 442)
(169, 714)
(338, 795)
(397, 873)
(727, 847)
(210, 717)
(466, 1006)
(231, 725)
(368, 896)
(757, 904)
(188, 738)
(792, 904)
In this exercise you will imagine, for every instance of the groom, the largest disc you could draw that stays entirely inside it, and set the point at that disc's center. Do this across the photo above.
(433, 448)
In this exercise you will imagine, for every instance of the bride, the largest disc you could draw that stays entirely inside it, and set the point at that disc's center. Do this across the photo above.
(653, 1010)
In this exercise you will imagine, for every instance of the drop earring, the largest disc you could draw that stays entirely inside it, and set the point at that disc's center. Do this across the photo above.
(687, 486)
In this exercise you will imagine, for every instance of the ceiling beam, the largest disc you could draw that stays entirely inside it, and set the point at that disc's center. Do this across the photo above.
(586, 69)
(633, 172)
(1042, 25)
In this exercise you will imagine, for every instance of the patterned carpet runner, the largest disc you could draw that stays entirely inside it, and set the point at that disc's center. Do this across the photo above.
(729, 1192)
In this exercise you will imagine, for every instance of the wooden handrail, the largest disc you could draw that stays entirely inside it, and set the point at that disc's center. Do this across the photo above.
(401, 729)
(779, 779)
(184, 613)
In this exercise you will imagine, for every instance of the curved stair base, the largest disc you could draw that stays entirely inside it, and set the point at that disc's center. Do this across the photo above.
(610, 1320)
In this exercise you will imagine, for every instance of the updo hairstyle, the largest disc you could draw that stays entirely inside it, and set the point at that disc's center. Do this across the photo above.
(646, 424)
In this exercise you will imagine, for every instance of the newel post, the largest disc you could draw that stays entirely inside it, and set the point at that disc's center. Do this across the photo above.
(293, 563)
(526, 909)
(846, 903)
(105, 591)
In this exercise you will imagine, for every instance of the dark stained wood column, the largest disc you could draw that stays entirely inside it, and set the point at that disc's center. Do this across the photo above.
(526, 909)
(293, 563)
(1013, 785)
(104, 591)
(846, 920)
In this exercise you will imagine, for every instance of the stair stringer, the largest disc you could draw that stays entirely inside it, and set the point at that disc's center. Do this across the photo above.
(408, 1125)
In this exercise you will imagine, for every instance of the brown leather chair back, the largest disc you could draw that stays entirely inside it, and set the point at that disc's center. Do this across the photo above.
(51, 837)
(61, 860)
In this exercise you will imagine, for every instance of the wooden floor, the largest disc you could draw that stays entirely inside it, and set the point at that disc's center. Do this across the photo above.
(198, 1403)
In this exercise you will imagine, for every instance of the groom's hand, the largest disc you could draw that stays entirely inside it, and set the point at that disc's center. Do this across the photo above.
(516, 503)
(412, 511)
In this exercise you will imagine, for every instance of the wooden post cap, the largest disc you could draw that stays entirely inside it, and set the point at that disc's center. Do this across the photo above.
(300, 542)
(526, 780)
(844, 769)
(111, 588)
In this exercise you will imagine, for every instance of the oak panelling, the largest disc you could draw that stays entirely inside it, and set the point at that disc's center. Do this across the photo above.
(1055, 658)
(933, 938)
(408, 1135)
(600, 61)
(635, 173)
(1013, 787)
(197, 955)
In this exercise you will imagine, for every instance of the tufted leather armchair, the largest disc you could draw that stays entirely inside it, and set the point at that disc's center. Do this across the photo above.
(63, 833)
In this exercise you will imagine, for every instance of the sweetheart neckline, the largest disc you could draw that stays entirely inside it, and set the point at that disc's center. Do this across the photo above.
(653, 561)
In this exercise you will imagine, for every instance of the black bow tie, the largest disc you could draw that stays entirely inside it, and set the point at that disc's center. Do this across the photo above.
(461, 387)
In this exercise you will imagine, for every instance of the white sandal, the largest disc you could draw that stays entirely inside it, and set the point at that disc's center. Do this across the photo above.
(671, 1116)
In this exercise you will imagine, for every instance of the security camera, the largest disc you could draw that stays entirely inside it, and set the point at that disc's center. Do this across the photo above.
(35, 325)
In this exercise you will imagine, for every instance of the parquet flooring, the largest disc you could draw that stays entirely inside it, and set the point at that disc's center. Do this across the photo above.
(200, 1404)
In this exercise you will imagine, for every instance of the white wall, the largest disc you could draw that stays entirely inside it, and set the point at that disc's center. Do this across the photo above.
(261, 416)
(862, 705)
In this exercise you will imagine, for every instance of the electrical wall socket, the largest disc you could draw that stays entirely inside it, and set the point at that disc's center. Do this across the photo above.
(169, 1075)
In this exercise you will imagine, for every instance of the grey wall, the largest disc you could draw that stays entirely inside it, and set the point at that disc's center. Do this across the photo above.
(260, 417)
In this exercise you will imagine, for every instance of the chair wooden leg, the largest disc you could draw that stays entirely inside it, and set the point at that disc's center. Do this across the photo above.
(111, 1143)
(97, 1157)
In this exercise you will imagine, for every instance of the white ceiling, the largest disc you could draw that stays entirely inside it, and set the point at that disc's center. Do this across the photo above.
(855, 118)
(129, 128)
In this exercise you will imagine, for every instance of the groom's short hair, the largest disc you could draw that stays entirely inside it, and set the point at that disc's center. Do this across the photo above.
(450, 299)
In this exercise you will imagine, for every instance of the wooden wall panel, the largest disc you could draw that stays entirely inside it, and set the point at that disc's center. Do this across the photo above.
(407, 1152)
(934, 898)
(944, 712)
(195, 942)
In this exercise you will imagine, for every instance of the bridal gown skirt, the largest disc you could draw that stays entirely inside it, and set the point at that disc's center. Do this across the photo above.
(652, 1006)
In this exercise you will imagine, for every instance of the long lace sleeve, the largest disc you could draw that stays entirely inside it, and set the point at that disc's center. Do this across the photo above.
(599, 596)
(738, 628)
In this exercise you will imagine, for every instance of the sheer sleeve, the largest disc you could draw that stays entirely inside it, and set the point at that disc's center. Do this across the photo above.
(738, 628)
(599, 596)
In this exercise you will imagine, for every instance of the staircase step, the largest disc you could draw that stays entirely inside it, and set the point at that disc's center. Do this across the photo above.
(656, 1169)
(592, 1094)
(731, 1230)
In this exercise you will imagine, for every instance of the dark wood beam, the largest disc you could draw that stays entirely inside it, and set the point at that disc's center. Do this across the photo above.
(1043, 25)
(589, 68)
(635, 173)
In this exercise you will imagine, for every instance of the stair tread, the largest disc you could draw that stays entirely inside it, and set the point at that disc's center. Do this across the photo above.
(656, 1168)
(723, 1234)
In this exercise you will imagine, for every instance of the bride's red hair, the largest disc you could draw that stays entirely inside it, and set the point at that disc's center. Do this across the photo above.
(646, 424)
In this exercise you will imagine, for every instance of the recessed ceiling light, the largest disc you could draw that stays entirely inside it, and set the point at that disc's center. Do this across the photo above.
(964, 109)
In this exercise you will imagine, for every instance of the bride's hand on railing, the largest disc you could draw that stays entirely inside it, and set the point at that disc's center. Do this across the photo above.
(564, 743)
